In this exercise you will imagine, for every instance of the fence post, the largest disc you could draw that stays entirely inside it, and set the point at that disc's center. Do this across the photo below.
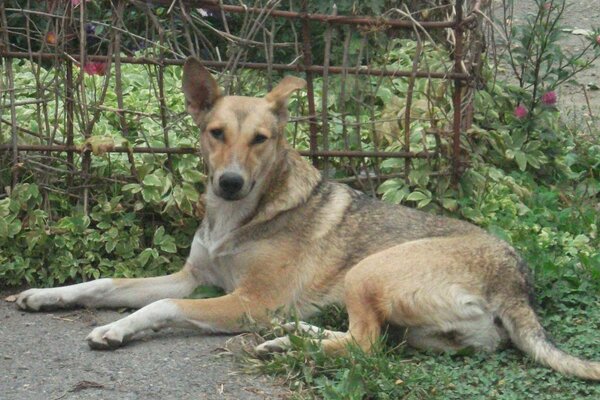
(13, 112)
(457, 95)
(310, 91)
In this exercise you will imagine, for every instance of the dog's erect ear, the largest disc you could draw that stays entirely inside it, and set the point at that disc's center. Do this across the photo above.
(278, 97)
(200, 88)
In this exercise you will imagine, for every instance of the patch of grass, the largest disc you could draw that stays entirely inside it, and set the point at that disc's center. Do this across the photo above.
(395, 371)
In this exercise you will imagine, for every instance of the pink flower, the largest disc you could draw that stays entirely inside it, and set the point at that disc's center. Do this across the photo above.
(549, 98)
(548, 5)
(598, 39)
(520, 111)
(75, 3)
(95, 68)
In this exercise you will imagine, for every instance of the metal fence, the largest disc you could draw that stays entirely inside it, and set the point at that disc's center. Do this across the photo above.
(65, 82)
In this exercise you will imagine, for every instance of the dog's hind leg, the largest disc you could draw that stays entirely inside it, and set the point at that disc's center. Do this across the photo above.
(366, 314)
(420, 284)
(365, 319)
(283, 343)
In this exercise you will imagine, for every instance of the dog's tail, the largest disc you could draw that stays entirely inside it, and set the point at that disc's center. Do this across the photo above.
(527, 334)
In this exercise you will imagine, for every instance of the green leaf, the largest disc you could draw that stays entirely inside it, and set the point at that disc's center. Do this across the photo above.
(169, 246)
(499, 232)
(110, 245)
(152, 180)
(423, 203)
(133, 188)
(190, 192)
(151, 195)
(3, 228)
(521, 160)
(145, 255)
(450, 204)
(159, 236)
(417, 196)
(192, 175)
(13, 228)
(4, 207)
(390, 184)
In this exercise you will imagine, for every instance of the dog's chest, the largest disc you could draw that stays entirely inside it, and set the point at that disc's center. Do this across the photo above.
(213, 255)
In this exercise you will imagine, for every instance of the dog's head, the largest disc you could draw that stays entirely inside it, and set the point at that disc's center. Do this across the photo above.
(241, 137)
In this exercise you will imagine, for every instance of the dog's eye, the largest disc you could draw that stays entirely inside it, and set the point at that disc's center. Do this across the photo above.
(217, 134)
(259, 138)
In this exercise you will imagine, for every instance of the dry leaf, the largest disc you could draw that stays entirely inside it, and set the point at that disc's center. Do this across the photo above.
(11, 299)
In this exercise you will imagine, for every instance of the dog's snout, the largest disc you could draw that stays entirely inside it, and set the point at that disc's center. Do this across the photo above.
(231, 183)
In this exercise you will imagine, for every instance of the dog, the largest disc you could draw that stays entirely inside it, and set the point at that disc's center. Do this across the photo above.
(276, 235)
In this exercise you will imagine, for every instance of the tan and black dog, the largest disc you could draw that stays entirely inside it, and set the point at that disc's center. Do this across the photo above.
(276, 235)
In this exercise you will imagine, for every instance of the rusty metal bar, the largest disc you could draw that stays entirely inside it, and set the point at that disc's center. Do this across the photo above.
(310, 90)
(192, 150)
(457, 95)
(358, 178)
(118, 80)
(13, 112)
(70, 119)
(409, 97)
(341, 19)
(86, 123)
(319, 69)
(324, 93)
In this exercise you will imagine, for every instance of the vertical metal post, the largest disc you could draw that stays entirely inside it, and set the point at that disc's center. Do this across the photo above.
(12, 98)
(310, 91)
(70, 120)
(163, 110)
(161, 95)
(457, 95)
(324, 95)
(87, 160)
(409, 98)
(118, 80)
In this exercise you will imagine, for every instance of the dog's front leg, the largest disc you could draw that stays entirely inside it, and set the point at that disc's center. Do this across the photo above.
(112, 293)
(228, 313)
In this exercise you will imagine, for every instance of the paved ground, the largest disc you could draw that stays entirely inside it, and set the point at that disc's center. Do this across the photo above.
(44, 356)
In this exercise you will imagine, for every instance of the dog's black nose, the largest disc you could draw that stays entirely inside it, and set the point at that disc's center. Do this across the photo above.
(231, 184)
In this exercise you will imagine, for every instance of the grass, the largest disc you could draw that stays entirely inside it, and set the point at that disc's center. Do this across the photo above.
(395, 371)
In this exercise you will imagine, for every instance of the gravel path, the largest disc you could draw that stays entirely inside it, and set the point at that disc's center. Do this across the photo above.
(44, 356)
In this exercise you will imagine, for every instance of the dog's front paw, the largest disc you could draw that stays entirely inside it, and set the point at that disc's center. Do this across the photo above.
(36, 299)
(107, 337)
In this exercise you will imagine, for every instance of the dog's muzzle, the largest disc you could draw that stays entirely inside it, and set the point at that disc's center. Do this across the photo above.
(230, 185)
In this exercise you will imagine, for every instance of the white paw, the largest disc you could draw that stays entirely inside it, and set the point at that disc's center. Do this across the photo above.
(310, 330)
(278, 345)
(35, 299)
(107, 337)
